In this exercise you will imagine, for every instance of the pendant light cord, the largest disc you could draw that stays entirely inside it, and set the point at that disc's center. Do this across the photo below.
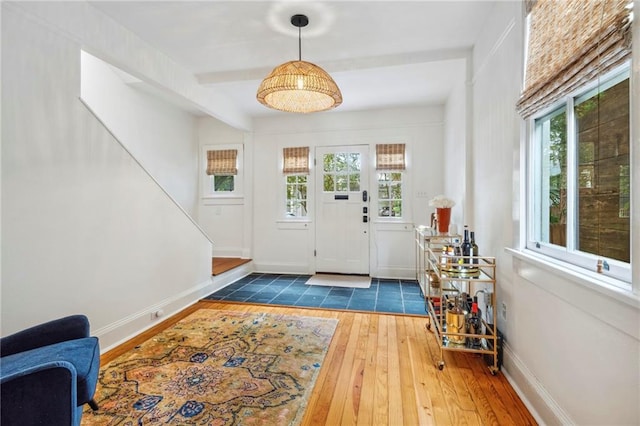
(299, 43)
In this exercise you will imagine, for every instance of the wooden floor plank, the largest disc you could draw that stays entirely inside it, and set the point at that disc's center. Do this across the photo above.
(406, 375)
(220, 265)
(365, 411)
(381, 394)
(381, 370)
(354, 394)
(323, 400)
(394, 382)
(424, 407)
(345, 377)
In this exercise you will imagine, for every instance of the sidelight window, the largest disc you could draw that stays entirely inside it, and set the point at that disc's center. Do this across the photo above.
(390, 166)
(296, 171)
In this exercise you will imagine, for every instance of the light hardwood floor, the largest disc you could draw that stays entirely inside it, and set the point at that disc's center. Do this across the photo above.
(381, 370)
(220, 265)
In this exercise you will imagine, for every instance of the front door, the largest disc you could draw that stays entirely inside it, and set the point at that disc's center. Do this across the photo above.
(342, 210)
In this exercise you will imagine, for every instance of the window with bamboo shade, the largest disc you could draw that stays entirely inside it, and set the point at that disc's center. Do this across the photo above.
(577, 97)
(295, 167)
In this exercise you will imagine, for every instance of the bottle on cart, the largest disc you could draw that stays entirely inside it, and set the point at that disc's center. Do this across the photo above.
(474, 326)
(465, 248)
(474, 248)
(457, 253)
(475, 300)
(455, 320)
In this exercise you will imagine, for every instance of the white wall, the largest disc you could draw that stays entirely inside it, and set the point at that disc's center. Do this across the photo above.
(103, 37)
(225, 219)
(572, 350)
(85, 230)
(279, 246)
(458, 166)
(159, 135)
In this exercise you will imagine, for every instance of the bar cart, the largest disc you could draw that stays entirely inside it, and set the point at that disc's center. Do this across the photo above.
(449, 283)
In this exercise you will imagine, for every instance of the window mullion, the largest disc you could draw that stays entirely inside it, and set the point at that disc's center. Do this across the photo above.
(572, 181)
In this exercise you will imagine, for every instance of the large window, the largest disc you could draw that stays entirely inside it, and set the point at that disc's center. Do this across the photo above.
(580, 179)
(576, 100)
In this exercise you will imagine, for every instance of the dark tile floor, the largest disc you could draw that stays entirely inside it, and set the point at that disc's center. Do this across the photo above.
(384, 295)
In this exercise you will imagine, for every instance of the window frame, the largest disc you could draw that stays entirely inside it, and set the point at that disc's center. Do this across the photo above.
(282, 216)
(207, 184)
(619, 272)
(286, 200)
(402, 167)
(379, 200)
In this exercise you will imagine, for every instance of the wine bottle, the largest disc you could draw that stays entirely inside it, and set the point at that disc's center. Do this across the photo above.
(474, 325)
(466, 248)
(474, 248)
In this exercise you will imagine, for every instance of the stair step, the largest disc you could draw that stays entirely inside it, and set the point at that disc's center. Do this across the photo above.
(220, 265)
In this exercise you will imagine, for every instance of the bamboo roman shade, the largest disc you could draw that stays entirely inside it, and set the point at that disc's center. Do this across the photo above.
(222, 162)
(296, 160)
(571, 42)
(390, 156)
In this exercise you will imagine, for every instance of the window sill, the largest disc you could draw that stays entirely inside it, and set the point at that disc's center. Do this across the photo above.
(210, 200)
(293, 223)
(592, 281)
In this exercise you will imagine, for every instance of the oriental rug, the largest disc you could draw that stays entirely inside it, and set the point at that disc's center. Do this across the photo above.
(216, 368)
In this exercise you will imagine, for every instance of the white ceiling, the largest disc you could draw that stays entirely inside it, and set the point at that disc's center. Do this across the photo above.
(380, 53)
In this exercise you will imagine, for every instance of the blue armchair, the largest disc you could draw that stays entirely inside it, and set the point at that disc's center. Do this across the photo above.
(48, 372)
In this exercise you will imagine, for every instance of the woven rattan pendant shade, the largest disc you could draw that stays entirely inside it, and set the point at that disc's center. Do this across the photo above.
(299, 86)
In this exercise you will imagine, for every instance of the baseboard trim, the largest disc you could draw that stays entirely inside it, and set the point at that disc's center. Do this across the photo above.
(124, 329)
(536, 398)
(282, 268)
(392, 273)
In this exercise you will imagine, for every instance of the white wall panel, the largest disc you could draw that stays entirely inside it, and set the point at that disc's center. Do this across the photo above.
(85, 230)
(160, 136)
(101, 36)
(225, 220)
(458, 168)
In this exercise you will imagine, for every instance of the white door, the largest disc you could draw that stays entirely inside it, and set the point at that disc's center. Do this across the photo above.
(342, 209)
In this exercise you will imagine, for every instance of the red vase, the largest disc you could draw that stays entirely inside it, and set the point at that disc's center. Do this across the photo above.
(444, 218)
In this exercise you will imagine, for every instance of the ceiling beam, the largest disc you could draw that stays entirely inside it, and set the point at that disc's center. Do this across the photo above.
(351, 64)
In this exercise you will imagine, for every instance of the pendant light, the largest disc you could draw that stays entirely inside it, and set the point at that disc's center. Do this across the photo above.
(299, 86)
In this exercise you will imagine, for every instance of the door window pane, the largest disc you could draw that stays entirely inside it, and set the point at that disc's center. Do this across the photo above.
(341, 162)
(328, 162)
(354, 162)
(341, 183)
(354, 183)
(328, 185)
(342, 172)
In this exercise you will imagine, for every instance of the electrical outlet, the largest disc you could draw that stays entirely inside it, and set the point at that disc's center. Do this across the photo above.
(503, 311)
(156, 314)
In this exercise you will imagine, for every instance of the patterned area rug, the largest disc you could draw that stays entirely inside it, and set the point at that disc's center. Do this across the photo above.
(216, 368)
